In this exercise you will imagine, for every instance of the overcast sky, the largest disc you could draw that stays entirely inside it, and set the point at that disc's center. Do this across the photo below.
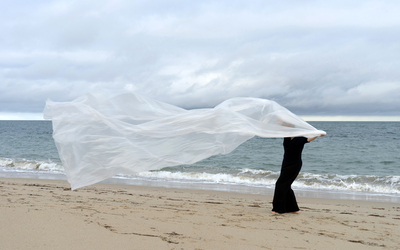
(317, 58)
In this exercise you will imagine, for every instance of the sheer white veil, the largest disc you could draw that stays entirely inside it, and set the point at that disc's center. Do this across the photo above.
(100, 135)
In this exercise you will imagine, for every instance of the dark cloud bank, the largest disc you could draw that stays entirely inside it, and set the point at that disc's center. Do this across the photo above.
(314, 57)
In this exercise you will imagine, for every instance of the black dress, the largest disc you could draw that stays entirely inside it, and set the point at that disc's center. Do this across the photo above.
(284, 200)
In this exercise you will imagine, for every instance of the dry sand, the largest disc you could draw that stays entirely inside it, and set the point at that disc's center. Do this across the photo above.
(44, 214)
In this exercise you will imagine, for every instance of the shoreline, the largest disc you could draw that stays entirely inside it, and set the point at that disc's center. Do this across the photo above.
(305, 193)
(46, 214)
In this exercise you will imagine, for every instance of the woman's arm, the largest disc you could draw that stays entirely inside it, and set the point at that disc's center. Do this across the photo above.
(312, 139)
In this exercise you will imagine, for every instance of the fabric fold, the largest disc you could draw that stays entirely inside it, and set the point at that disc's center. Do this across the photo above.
(102, 135)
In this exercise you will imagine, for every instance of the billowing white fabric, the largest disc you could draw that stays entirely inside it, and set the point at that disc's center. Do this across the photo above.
(101, 135)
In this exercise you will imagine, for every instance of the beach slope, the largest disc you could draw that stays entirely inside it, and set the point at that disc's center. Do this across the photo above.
(46, 214)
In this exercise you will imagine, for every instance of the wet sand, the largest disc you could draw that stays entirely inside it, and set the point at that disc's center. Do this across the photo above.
(46, 214)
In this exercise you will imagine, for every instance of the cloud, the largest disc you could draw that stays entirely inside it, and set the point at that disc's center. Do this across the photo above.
(314, 57)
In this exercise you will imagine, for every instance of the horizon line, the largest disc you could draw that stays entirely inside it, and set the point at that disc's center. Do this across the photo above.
(20, 116)
(351, 118)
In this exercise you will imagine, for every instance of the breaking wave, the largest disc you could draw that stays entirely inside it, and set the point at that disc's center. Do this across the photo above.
(23, 164)
(244, 177)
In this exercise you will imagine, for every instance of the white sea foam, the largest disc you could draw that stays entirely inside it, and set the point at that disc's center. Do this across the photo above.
(6, 162)
(258, 171)
(359, 183)
(328, 182)
(245, 177)
(31, 164)
(220, 178)
(351, 186)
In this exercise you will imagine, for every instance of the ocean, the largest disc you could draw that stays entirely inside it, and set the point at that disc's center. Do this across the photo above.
(355, 160)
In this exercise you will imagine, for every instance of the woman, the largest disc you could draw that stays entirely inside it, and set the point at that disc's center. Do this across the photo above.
(284, 199)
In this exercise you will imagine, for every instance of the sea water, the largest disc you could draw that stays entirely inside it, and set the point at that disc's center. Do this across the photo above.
(355, 160)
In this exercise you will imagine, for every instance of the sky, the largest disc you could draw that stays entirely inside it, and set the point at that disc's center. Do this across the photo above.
(317, 58)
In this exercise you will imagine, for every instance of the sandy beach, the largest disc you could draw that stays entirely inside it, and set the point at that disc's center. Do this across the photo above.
(46, 214)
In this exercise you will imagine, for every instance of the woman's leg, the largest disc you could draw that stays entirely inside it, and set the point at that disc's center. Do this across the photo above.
(291, 203)
(284, 199)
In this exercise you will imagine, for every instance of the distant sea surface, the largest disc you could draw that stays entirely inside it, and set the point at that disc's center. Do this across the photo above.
(355, 160)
